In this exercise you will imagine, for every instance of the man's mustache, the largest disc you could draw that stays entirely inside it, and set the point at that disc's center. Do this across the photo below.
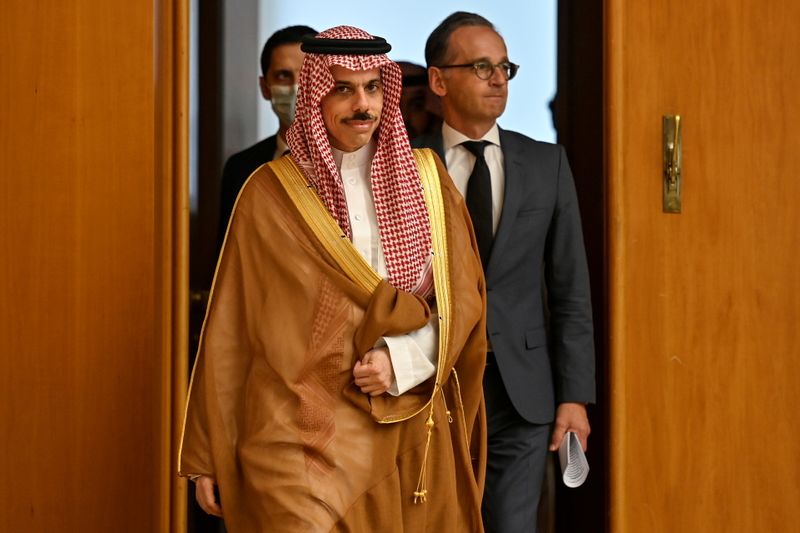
(362, 116)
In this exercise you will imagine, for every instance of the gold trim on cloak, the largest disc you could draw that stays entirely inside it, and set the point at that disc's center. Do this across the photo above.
(323, 225)
(441, 272)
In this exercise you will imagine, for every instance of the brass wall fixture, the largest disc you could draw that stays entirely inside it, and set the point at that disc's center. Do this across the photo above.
(671, 126)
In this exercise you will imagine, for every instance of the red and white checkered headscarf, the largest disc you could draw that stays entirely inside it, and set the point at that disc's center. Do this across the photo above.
(399, 202)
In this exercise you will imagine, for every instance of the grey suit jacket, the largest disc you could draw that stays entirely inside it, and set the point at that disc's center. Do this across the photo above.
(539, 310)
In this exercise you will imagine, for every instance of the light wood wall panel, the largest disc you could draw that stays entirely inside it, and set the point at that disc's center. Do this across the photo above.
(91, 249)
(705, 305)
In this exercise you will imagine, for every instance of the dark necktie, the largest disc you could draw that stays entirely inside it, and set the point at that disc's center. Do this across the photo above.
(479, 199)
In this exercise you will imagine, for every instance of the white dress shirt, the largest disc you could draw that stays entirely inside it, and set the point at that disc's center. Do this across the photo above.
(415, 354)
(460, 161)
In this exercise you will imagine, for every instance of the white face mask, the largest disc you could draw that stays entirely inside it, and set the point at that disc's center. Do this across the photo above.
(284, 99)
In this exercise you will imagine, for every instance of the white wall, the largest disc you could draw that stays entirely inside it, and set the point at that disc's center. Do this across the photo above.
(240, 66)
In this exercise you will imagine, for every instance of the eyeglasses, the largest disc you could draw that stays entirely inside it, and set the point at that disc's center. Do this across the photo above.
(485, 70)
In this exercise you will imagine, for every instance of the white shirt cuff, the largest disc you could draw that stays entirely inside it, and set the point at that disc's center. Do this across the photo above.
(414, 356)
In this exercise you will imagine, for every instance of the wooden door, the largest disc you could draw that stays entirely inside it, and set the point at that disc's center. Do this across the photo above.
(705, 304)
(92, 268)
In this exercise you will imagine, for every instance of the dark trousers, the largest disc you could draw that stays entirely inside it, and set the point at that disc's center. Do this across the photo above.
(516, 463)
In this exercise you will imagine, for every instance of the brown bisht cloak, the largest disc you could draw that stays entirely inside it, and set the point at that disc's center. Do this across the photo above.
(273, 413)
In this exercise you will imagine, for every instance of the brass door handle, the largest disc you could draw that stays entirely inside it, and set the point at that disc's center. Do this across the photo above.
(672, 139)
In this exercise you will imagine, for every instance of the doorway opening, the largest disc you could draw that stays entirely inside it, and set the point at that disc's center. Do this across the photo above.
(557, 97)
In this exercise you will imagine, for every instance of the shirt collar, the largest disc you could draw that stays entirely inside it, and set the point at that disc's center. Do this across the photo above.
(451, 137)
(360, 158)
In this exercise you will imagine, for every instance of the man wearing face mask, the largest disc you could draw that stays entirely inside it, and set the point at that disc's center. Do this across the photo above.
(281, 60)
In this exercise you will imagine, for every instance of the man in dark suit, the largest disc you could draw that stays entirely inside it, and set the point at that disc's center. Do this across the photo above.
(523, 205)
(281, 60)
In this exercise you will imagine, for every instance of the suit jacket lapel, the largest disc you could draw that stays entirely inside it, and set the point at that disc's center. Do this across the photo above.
(512, 197)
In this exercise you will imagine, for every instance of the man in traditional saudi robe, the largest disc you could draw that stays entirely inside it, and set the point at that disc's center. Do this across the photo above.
(338, 382)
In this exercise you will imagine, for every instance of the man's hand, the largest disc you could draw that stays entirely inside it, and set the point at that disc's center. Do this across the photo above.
(570, 417)
(204, 492)
(374, 373)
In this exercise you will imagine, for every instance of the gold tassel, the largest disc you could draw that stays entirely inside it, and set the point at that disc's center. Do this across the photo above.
(421, 494)
(446, 409)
